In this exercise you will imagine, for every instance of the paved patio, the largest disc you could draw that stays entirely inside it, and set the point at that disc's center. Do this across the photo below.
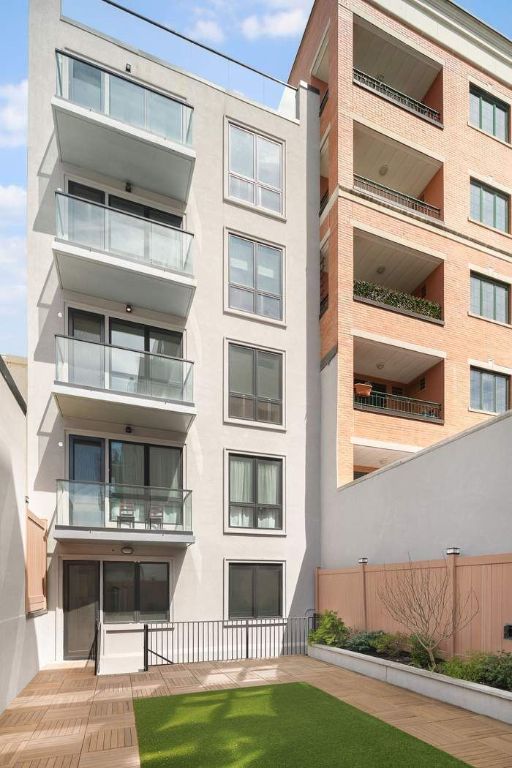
(67, 718)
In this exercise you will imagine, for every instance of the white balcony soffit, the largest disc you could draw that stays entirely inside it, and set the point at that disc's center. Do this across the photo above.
(401, 365)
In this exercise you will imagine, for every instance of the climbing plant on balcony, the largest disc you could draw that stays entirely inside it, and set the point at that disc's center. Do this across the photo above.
(397, 299)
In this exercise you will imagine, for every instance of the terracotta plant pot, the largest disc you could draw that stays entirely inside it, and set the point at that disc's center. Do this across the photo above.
(363, 390)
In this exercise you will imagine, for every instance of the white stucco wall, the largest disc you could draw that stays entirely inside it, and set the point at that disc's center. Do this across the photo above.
(199, 571)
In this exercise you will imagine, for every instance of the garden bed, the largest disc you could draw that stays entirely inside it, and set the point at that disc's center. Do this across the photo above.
(475, 697)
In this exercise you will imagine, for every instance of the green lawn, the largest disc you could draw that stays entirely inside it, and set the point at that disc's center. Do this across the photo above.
(292, 725)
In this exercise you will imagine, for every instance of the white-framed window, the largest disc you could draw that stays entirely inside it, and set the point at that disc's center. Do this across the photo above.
(255, 590)
(255, 384)
(255, 492)
(255, 277)
(256, 174)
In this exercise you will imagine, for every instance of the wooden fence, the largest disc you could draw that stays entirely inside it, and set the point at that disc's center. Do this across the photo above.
(35, 564)
(354, 593)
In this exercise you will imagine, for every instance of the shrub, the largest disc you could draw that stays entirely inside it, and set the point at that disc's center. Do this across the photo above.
(488, 669)
(392, 645)
(419, 655)
(363, 642)
(330, 630)
(397, 299)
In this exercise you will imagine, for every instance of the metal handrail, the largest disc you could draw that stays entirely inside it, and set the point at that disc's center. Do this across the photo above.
(123, 349)
(394, 196)
(362, 78)
(126, 485)
(117, 211)
(410, 406)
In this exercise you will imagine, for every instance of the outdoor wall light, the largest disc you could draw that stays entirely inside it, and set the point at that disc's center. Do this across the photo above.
(128, 186)
(128, 68)
(128, 429)
(127, 550)
(380, 366)
(129, 308)
(453, 551)
(363, 561)
(381, 269)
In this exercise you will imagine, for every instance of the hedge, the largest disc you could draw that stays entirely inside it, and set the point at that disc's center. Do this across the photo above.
(397, 299)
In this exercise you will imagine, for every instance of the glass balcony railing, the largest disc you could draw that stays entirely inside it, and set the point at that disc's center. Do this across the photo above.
(400, 199)
(399, 405)
(114, 505)
(122, 234)
(122, 99)
(124, 371)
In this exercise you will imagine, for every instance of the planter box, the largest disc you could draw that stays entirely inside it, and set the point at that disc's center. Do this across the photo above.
(477, 698)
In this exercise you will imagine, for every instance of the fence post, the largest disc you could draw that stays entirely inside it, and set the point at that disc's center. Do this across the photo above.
(247, 638)
(146, 647)
(452, 569)
(362, 562)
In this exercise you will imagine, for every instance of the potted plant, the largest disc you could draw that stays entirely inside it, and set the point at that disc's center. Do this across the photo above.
(363, 389)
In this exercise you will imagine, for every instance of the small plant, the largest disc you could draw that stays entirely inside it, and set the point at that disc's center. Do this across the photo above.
(397, 299)
(392, 645)
(485, 668)
(331, 630)
(422, 653)
(363, 642)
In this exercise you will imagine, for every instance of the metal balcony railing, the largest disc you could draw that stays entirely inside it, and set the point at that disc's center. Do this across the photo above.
(399, 405)
(132, 237)
(100, 91)
(99, 366)
(120, 506)
(361, 78)
(394, 197)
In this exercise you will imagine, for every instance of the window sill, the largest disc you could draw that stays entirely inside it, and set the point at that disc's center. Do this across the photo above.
(490, 135)
(254, 424)
(255, 318)
(228, 530)
(484, 413)
(489, 320)
(254, 208)
(491, 229)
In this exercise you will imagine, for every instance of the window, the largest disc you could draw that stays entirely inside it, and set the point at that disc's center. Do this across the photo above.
(324, 280)
(489, 113)
(135, 592)
(255, 169)
(255, 384)
(489, 391)
(255, 277)
(255, 492)
(255, 590)
(489, 298)
(489, 206)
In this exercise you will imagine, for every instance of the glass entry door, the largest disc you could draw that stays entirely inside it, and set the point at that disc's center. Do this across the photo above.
(87, 478)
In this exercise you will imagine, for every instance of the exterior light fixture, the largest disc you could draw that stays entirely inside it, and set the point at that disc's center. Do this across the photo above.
(453, 551)
(128, 68)
(380, 366)
(127, 550)
(381, 269)
(128, 186)
(363, 561)
(383, 170)
(129, 308)
(128, 429)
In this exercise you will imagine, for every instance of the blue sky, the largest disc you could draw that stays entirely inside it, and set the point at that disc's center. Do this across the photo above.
(263, 33)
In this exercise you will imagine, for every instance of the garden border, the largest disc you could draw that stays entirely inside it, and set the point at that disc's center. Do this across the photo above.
(481, 699)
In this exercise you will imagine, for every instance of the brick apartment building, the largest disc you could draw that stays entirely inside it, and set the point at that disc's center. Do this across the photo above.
(416, 177)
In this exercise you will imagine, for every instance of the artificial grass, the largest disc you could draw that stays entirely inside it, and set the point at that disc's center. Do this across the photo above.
(291, 725)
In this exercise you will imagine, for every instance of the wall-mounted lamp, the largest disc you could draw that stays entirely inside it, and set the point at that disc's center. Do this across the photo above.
(453, 551)
(128, 429)
(128, 68)
(129, 308)
(363, 561)
(128, 186)
(127, 550)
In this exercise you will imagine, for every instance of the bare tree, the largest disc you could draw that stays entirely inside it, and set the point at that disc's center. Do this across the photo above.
(420, 599)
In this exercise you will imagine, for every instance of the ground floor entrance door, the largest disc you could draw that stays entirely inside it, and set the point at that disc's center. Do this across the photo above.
(81, 607)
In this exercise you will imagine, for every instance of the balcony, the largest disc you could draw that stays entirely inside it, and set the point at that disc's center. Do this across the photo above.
(398, 405)
(405, 382)
(397, 73)
(397, 175)
(123, 386)
(397, 277)
(121, 257)
(110, 512)
(369, 456)
(118, 128)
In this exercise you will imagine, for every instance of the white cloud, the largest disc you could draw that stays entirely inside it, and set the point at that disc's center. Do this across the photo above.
(285, 23)
(12, 205)
(207, 29)
(13, 114)
(12, 251)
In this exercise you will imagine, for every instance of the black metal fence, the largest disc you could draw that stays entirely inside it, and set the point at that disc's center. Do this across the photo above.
(394, 197)
(184, 642)
(400, 406)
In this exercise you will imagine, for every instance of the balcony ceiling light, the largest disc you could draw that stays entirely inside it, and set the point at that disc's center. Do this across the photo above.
(127, 550)
(129, 308)
(380, 366)
(383, 170)
(381, 269)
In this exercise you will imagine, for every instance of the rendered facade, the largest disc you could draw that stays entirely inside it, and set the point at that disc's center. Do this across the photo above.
(190, 416)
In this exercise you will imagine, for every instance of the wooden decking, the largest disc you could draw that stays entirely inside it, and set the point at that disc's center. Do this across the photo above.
(67, 718)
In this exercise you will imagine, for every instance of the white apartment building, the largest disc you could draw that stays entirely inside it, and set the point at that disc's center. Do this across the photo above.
(173, 381)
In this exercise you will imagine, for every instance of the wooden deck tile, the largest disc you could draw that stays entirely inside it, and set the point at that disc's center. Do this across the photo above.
(110, 738)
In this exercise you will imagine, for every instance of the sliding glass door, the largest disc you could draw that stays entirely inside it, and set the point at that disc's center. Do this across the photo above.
(87, 477)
